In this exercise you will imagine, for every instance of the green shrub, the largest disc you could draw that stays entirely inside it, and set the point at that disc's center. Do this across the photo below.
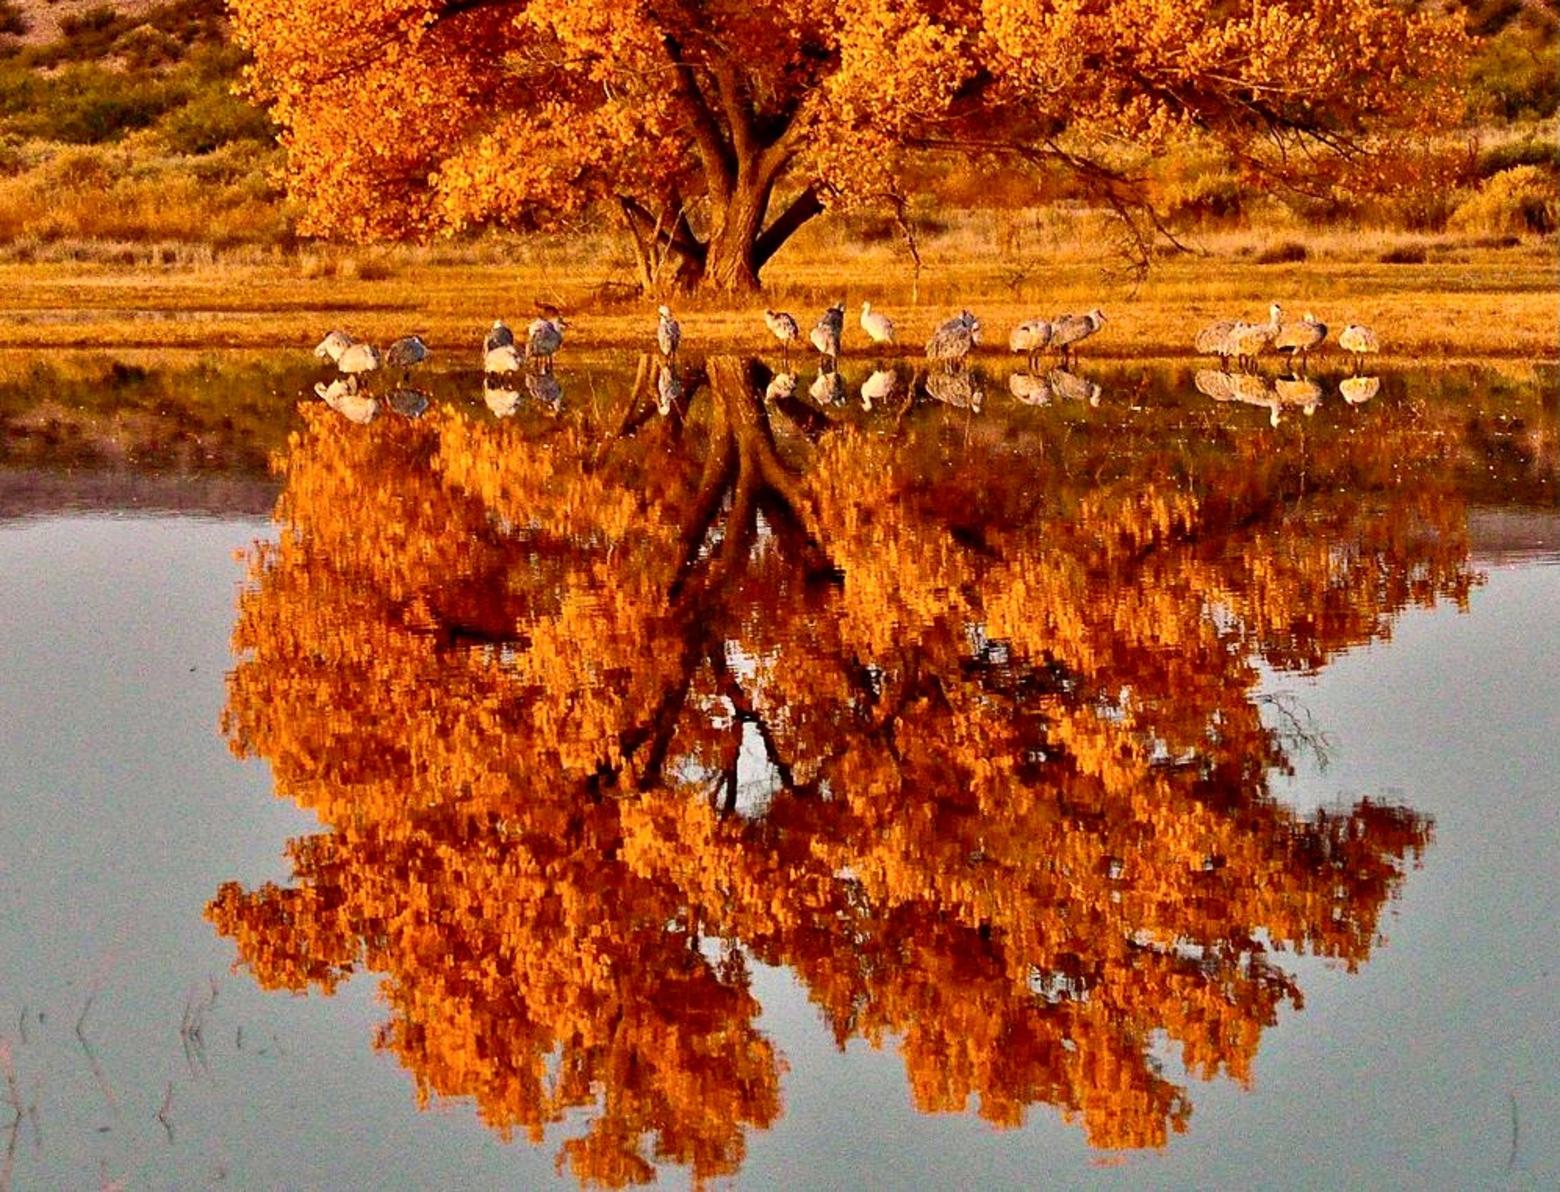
(1513, 201)
(1283, 253)
(96, 35)
(1528, 152)
(84, 167)
(1404, 254)
(82, 104)
(93, 20)
(1514, 74)
(213, 118)
(13, 21)
(146, 47)
(1210, 197)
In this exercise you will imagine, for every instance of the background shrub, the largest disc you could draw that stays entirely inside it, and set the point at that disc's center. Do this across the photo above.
(1283, 253)
(1518, 200)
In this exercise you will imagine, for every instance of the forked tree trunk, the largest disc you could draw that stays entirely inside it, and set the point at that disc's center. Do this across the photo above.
(671, 258)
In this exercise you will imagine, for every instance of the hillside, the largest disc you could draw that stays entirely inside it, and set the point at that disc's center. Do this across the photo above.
(122, 125)
(40, 22)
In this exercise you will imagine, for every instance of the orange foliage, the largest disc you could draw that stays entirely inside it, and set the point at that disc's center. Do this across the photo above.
(1018, 821)
(407, 117)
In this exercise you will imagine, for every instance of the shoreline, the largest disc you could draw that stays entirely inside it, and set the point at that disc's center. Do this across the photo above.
(1502, 307)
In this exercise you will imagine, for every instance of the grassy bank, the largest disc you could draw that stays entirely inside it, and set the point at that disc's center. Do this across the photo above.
(1437, 298)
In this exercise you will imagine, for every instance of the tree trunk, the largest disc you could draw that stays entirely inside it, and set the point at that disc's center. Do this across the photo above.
(733, 264)
(742, 245)
(669, 257)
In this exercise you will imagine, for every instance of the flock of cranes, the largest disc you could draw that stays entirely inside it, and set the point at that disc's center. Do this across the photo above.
(947, 352)
(951, 342)
(1244, 343)
(1275, 394)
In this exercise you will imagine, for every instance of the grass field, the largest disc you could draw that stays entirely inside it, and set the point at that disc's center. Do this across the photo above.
(1455, 299)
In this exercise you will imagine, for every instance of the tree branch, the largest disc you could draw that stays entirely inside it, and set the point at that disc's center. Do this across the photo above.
(714, 153)
(801, 209)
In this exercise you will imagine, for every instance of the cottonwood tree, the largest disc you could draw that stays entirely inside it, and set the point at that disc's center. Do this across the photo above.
(717, 130)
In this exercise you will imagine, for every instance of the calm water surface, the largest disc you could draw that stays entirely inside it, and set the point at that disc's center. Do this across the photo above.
(1128, 776)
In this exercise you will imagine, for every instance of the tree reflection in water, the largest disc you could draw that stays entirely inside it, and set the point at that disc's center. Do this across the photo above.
(1016, 819)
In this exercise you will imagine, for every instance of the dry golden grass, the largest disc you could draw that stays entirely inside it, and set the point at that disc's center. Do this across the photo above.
(1471, 297)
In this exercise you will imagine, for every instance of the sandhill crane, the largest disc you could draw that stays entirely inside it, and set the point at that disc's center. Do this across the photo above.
(1031, 337)
(1359, 341)
(358, 358)
(1218, 339)
(405, 354)
(409, 403)
(1072, 387)
(954, 339)
(336, 390)
(1073, 329)
(878, 326)
(342, 395)
(1297, 339)
(505, 358)
(543, 339)
(1256, 390)
(960, 390)
(503, 399)
(828, 389)
(668, 333)
(333, 345)
(1252, 339)
(879, 387)
(780, 385)
(1359, 390)
(544, 387)
(668, 389)
(1299, 391)
(498, 336)
(827, 332)
(783, 327)
(1215, 383)
(1030, 389)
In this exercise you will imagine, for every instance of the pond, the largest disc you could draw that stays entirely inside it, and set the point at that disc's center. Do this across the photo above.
(1126, 775)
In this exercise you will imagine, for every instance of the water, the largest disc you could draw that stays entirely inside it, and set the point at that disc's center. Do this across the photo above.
(1120, 789)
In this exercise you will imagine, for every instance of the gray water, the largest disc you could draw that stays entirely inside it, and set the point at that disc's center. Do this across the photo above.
(140, 1052)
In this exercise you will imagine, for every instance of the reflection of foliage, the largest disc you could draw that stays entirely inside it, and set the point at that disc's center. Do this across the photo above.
(1018, 816)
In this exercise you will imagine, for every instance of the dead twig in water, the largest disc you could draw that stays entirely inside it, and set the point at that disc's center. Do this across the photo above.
(13, 1096)
(92, 1059)
(104, 1183)
(192, 1030)
(163, 1113)
(1511, 1162)
(32, 1114)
